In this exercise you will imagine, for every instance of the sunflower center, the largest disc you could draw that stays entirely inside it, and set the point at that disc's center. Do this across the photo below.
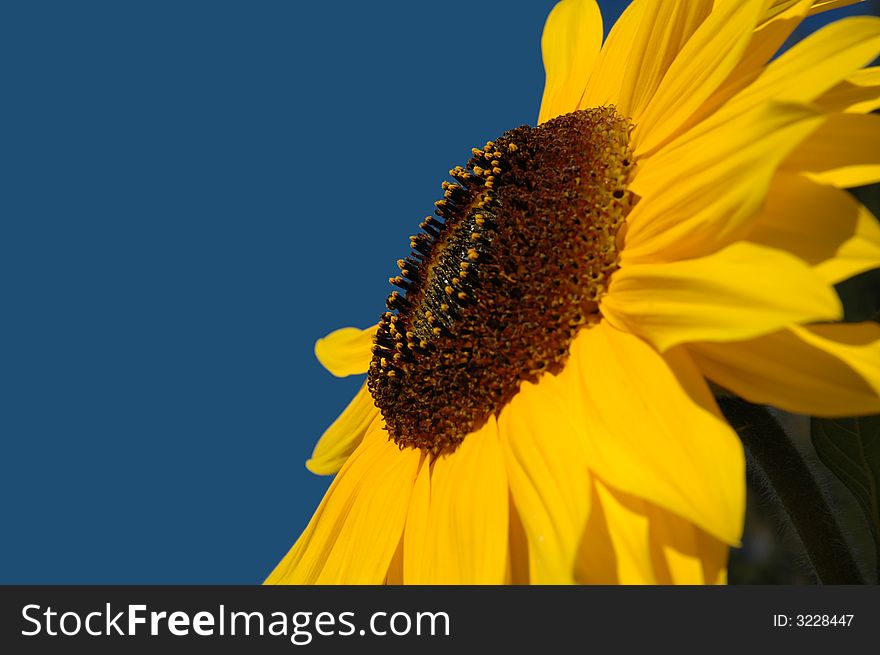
(499, 282)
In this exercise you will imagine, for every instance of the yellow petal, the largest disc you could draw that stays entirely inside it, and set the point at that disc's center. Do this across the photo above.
(737, 293)
(843, 151)
(640, 48)
(395, 568)
(682, 553)
(818, 6)
(418, 551)
(464, 539)
(763, 45)
(781, 13)
(469, 511)
(811, 67)
(520, 567)
(822, 225)
(653, 429)
(666, 39)
(355, 531)
(779, 6)
(344, 434)
(548, 477)
(570, 43)
(616, 544)
(858, 94)
(699, 195)
(346, 351)
(596, 557)
(700, 67)
(631, 541)
(820, 370)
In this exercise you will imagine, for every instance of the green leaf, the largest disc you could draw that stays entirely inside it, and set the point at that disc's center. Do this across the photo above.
(850, 448)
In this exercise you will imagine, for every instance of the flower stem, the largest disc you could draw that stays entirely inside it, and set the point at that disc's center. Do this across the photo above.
(775, 458)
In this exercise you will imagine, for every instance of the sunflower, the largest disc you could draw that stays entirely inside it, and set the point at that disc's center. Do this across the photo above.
(537, 406)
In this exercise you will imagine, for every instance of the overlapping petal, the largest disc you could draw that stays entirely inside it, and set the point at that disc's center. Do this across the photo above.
(819, 370)
(459, 530)
(631, 541)
(700, 66)
(355, 531)
(641, 46)
(843, 151)
(740, 292)
(764, 43)
(816, 6)
(615, 548)
(699, 195)
(811, 67)
(822, 225)
(859, 93)
(802, 74)
(652, 429)
(548, 477)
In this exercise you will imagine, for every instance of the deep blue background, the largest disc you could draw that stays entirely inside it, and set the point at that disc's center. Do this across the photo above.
(192, 193)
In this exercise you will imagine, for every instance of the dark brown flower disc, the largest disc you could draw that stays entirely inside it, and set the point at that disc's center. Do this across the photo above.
(500, 281)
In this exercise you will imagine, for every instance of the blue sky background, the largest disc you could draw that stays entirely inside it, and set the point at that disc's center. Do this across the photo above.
(193, 192)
